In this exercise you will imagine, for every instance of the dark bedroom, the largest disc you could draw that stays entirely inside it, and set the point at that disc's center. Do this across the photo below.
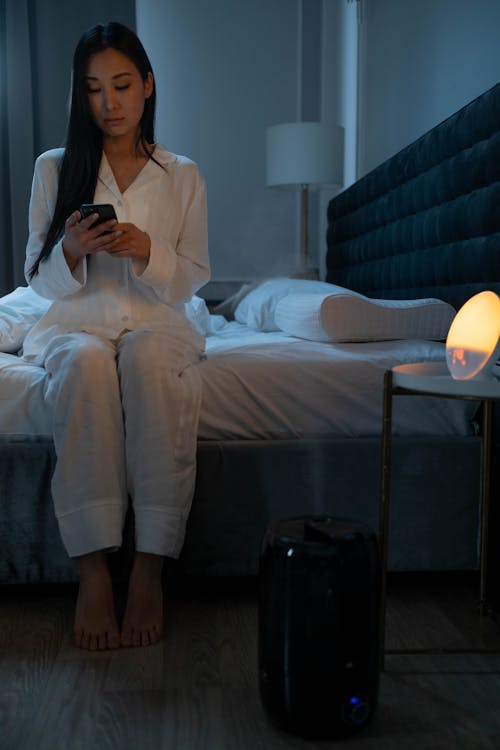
(249, 374)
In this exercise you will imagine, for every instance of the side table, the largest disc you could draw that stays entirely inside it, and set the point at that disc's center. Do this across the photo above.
(433, 379)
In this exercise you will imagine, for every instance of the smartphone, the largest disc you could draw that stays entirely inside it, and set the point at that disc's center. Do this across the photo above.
(105, 210)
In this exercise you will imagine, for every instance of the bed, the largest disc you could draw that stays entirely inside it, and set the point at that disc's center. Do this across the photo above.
(291, 414)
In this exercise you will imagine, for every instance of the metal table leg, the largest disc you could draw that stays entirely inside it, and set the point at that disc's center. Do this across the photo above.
(384, 506)
(485, 504)
(384, 503)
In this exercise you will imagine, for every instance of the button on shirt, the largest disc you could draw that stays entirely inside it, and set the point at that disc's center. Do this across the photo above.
(103, 295)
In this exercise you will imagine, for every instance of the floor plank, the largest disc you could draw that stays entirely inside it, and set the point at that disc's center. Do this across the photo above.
(198, 688)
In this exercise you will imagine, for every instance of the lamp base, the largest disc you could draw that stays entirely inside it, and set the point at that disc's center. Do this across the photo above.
(473, 364)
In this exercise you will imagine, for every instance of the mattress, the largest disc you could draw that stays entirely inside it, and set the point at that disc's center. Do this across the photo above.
(273, 386)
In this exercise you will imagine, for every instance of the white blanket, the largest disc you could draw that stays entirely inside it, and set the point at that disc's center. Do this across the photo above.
(256, 385)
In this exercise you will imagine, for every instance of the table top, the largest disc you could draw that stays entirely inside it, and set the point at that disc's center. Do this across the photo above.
(434, 377)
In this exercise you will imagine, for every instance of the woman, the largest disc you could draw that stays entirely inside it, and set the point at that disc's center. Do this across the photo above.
(123, 386)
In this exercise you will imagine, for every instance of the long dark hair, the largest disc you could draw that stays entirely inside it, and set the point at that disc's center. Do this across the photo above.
(83, 143)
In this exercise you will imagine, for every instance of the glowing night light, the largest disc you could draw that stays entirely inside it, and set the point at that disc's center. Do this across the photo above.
(472, 344)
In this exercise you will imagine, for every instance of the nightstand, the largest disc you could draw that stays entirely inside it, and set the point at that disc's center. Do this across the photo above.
(433, 379)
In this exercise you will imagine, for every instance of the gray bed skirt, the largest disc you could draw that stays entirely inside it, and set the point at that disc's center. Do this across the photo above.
(434, 517)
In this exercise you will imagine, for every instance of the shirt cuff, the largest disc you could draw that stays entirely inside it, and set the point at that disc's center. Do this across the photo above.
(68, 282)
(160, 267)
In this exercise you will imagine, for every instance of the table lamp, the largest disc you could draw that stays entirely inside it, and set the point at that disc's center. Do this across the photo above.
(472, 345)
(305, 156)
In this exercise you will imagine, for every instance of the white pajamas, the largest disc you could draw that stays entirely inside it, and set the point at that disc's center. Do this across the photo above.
(123, 388)
(125, 422)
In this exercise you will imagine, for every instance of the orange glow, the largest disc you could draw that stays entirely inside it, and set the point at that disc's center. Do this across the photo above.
(473, 336)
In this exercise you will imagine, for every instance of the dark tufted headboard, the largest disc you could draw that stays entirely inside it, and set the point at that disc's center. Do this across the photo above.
(426, 222)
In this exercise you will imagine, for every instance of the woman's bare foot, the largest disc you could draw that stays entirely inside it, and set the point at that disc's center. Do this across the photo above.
(96, 627)
(143, 619)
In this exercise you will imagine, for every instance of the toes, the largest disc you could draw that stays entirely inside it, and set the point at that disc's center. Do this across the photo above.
(78, 638)
(113, 640)
(126, 638)
(83, 640)
(156, 636)
(134, 637)
(97, 642)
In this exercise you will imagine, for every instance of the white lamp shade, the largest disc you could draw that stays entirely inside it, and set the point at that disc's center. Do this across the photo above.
(473, 339)
(305, 153)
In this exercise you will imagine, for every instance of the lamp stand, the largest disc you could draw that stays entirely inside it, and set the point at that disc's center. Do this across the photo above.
(304, 226)
(305, 271)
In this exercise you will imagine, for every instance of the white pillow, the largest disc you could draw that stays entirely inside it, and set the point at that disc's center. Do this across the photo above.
(349, 316)
(19, 311)
(199, 315)
(256, 310)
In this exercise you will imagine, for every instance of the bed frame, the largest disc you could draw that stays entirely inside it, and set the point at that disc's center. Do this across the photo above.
(424, 223)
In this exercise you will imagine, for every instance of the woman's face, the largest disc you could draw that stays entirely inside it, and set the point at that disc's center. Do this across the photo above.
(117, 93)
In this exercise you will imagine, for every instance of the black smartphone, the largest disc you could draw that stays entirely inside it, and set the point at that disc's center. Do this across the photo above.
(105, 210)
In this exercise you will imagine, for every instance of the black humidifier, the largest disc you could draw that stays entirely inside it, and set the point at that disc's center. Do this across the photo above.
(318, 626)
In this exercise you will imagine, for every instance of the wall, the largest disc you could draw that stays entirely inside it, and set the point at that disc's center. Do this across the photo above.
(55, 29)
(227, 69)
(421, 60)
(339, 91)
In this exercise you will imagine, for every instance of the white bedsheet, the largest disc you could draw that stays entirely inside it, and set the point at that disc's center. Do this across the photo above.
(271, 385)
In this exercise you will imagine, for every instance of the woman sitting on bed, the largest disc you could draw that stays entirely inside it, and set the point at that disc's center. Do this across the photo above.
(123, 388)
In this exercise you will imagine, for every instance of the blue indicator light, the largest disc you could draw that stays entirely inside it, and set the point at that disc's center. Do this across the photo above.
(357, 710)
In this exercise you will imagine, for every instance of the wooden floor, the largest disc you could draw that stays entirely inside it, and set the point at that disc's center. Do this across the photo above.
(198, 688)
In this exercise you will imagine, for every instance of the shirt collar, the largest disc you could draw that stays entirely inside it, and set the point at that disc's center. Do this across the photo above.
(165, 158)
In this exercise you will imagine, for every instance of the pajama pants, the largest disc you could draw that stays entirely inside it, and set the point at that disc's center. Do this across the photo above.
(125, 418)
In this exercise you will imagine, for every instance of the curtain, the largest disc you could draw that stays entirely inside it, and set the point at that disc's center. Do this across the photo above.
(16, 138)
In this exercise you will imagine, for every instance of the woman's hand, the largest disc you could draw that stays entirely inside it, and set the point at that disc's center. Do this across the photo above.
(80, 239)
(132, 242)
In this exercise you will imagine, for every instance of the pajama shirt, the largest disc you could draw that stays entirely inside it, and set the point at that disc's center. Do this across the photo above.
(122, 385)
